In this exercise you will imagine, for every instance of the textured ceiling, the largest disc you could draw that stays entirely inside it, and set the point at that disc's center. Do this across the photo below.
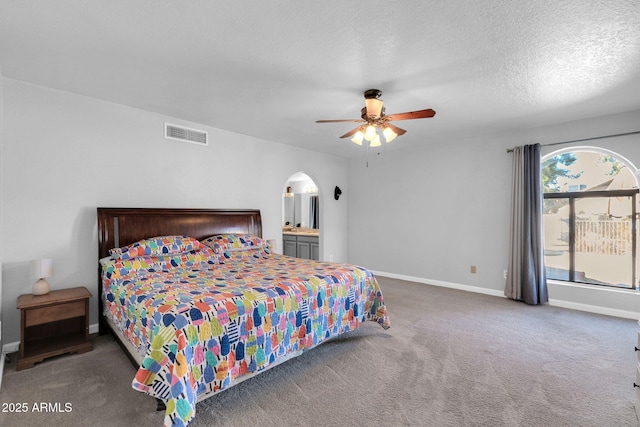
(271, 68)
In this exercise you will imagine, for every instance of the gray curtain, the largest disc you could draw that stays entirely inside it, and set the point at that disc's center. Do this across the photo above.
(526, 278)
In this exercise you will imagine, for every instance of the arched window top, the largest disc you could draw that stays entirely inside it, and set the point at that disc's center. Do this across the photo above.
(587, 169)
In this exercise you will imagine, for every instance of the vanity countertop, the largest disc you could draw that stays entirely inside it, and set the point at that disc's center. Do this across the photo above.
(302, 232)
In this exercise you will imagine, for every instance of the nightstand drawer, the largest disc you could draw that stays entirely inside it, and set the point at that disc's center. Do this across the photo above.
(38, 316)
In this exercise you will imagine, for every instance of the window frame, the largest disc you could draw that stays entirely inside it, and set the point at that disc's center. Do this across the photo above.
(573, 196)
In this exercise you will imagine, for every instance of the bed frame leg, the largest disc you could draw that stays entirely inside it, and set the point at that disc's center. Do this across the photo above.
(160, 406)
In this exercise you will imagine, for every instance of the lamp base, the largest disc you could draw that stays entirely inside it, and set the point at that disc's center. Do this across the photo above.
(41, 287)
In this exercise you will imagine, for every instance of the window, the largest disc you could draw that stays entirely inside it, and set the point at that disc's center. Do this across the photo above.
(590, 217)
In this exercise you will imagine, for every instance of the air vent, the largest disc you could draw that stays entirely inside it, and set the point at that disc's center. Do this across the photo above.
(181, 133)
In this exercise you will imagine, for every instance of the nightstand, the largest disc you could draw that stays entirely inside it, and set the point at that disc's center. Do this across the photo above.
(53, 324)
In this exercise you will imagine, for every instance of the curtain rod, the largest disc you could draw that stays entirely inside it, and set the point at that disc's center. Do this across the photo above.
(510, 150)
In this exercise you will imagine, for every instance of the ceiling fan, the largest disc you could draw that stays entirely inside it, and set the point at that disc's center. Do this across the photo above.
(373, 115)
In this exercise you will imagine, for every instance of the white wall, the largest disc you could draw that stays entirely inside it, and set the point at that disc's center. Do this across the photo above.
(430, 213)
(64, 155)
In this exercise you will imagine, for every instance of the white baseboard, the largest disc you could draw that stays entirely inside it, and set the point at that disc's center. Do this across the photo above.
(595, 309)
(552, 302)
(93, 329)
(15, 346)
(451, 285)
(11, 347)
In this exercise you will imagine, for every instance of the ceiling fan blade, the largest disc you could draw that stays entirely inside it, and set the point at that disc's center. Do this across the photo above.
(420, 114)
(350, 133)
(339, 121)
(396, 129)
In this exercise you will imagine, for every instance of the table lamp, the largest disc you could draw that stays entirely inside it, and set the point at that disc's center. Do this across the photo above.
(41, 269)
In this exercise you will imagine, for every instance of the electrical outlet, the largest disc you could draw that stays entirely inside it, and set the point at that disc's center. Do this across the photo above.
(504, 274)
(331, 258)
(473, 269)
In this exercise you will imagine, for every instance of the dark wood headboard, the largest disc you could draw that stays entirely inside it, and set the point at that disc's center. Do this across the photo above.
(119, 227)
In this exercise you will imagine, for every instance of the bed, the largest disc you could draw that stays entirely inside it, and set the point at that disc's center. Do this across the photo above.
(199, 302)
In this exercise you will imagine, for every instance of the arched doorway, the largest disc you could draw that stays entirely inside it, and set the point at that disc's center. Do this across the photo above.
(301, 217)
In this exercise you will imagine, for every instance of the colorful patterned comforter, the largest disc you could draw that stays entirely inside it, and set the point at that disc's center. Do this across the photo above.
(205, 320)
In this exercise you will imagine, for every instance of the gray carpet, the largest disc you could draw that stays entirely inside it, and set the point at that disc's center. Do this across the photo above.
(451, 358)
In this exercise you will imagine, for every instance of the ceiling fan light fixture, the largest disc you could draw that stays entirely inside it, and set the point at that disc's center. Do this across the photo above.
(375, 125)
(389, 134)
(370, 133)
(374, 107)
(357, 138)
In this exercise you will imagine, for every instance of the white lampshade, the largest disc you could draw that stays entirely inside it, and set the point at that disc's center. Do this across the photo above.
(389, 134)
(40, 270)
(376, 142)
(358, 137)
(374, 107)
(370, 134)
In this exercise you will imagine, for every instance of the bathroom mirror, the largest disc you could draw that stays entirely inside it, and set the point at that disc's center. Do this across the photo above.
(300, 202)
